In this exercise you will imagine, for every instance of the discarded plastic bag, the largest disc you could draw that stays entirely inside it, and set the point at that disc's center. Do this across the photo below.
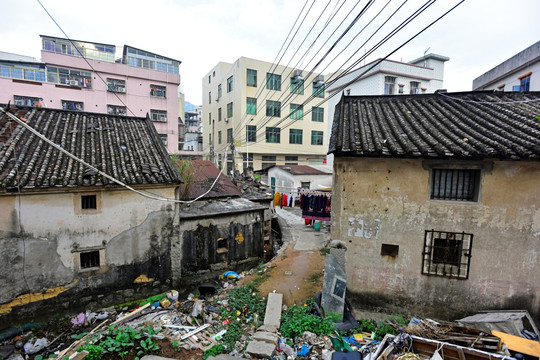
(304, 351)
(339, 343)
(197, 308)
(36, 347)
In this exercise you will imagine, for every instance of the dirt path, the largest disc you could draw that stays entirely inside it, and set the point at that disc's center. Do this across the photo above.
(297, 272)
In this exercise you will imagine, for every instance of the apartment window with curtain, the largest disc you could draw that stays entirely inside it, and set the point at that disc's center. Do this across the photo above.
(251, 77)
(251, 106)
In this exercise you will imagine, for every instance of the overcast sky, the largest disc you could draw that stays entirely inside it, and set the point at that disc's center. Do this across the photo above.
(476, 36)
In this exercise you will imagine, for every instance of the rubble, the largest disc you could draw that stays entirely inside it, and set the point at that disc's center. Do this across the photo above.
(240, 323)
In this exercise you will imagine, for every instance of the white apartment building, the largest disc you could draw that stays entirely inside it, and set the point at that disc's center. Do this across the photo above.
(387, 77)
(258, 115)
(519, 73)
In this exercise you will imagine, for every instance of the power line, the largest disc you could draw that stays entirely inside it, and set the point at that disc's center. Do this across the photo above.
(380, 60)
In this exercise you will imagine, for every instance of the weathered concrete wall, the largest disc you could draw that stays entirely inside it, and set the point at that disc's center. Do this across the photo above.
(42, 237)
(386, 201)
(196, 251)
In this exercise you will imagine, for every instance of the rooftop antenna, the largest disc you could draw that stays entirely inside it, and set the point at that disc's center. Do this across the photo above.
(425, 52)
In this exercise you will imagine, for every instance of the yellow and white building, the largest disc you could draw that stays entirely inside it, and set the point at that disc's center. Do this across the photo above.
(256, 114)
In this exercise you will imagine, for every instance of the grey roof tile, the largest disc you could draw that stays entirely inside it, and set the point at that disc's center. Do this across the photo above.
(468, 125)
(126, 148)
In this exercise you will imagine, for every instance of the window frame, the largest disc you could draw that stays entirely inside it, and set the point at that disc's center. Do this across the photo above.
(157, 115)
(273, 108)
(454, 184)
(315, 135)
(297, 86)
(317, 112)
(230, 84)
(251, 106)
(251, 77)
(297, 111)
(158, 91)
(273, 82)
(230, 110)
(116, 110)
(389, 85)
(230, 136)
(251, 133)
(458, 246)
(219, 91)
(116, 85)
(296, 137)
(414, 87)
(273, 135)
(76, 105)
(318, 90)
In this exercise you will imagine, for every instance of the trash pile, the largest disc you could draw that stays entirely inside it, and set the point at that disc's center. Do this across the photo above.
(237, 322)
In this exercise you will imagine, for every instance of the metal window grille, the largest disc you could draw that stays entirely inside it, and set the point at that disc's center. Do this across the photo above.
(88, 202)
(455, 184)
(89, 259)
(447, 254)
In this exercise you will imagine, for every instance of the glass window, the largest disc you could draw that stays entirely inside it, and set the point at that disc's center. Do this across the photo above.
(219, 137)
(158, 91)
(297, 111)
(158, 115)
(297, 86)
(251, 106)
(229, 110)
(5, 71)
(317, 114)
(273, 81)
(273, 135)
(17, 73)
(415, 87)
(229, 136)
(209, 97)
(219, 114)
(116, 85)
(316, 137)
(389, 84)
(219, 91)
(251, 133)
(295, 136)
(116, 110)
(318, 89)
(273, 108)
(525, 83)
(230, 84)
(26, 100)
(251, 77)
(72, 105)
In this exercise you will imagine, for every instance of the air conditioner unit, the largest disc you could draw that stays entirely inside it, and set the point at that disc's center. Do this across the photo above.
(297, 73)
(217, 99)
(319, 79)
(121, 89)
(226, 120)
(73, 83)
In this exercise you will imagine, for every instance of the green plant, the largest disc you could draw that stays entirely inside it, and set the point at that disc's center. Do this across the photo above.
(214, 350)
(324, 251)
(297, 319)
(175, 346)
(366, 325)
(95, 352)
(187, 173)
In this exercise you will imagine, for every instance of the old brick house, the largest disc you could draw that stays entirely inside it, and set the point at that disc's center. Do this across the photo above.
(437, 197)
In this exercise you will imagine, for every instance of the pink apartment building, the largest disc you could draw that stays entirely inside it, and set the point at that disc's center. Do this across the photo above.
(137, 84)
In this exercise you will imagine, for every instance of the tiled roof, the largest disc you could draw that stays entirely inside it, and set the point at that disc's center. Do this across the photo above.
(204, 175)
(468, 125)
(301, 170)
(126, 148)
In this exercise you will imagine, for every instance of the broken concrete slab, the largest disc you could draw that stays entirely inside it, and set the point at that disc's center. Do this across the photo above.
(222, 357)
(268, 328)
(260, 349)
(334, 286)
(272, 315)
(266, 337)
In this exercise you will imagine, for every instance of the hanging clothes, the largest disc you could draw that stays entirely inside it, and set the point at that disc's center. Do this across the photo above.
(284, 200)
(277, 198)
(316, 206)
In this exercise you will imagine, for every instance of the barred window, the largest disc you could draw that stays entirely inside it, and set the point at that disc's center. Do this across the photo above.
(89, 259)
(447, 254)
(455, 184)
(88, 202)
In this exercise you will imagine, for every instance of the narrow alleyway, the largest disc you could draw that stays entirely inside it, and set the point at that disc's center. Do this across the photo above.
(297, 270)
